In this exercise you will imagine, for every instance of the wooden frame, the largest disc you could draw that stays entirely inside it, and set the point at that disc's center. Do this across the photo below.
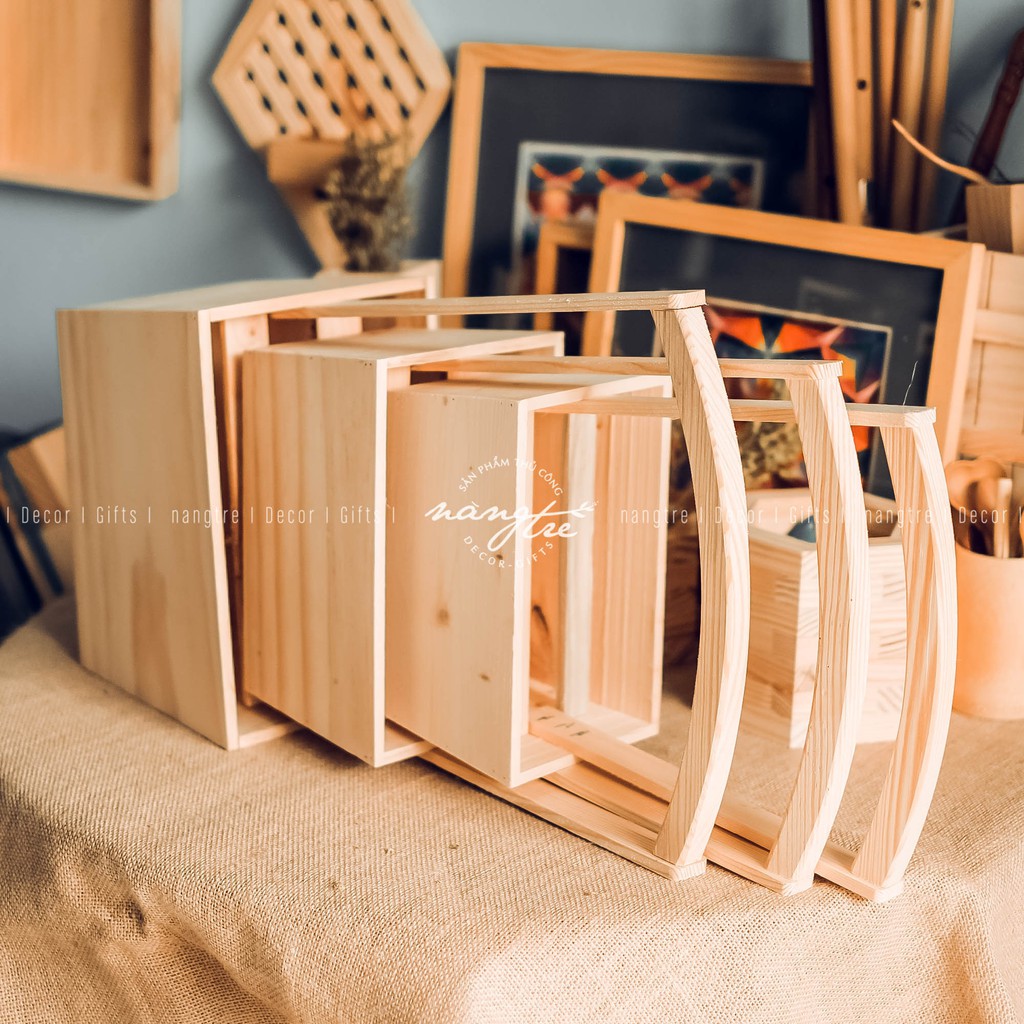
(152, 405)
(92, 102)
(664, 817)
(476, 60)
(993, 421)
(961, 265)
(315, 644)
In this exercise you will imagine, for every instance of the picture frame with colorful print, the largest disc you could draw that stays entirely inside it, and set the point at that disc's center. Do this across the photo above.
(772, 455)
(560, 182)
(922, 290)
(508, 94)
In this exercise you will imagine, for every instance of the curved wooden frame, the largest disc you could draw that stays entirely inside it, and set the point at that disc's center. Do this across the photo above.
(667, 817)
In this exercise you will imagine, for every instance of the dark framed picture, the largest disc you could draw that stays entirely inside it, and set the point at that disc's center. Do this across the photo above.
(896, 309)
(717, 128)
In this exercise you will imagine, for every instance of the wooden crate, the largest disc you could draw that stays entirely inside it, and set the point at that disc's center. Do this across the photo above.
(151, 408)
(784, 618)
(317, 447)
(993, 419)
(91, 95)
(483, 625)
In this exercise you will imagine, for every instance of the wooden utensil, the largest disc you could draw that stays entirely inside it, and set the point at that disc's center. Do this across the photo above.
(991, 500)
(960, 476)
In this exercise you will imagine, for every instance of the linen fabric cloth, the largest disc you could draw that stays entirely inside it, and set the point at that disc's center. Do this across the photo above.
(147, 875)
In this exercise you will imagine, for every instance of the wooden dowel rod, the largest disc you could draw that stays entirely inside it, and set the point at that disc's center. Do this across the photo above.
(742, 410)
(495, 305)
(628, 366)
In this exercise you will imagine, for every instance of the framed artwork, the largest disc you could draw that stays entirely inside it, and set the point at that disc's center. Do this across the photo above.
(905, 304)
(513, 103)
(556, 182)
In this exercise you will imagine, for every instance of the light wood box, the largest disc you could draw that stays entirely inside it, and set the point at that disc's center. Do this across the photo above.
(995, 217)
(784, 620)
(993, 418)
(318, 445)
(476, 633)
(91, 96)
(151, 391)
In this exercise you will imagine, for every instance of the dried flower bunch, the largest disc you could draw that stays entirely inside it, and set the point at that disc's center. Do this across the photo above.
(367, 202)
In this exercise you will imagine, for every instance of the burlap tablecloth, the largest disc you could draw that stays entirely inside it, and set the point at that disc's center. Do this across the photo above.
(149, 876)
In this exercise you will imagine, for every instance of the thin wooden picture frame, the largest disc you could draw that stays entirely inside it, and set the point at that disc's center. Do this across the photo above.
(478, 60)
(961, 264)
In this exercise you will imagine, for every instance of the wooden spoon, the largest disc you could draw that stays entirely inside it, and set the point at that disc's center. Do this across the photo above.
(992, 500)
(960, 476)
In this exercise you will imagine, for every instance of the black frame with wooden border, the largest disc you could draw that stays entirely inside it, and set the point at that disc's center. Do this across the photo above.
(477, 59)
(961, 264)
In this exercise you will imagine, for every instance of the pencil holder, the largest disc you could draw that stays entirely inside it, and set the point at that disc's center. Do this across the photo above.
(990, 662)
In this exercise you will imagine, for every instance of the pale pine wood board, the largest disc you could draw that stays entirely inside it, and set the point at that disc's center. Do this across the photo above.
(278, 297)
(230, 339)
(454, 674)
(91, 97)
(581, 817)
(931, 659)
(315, 436)
(841, 673)
(725, 577)
(152, 598)
(993, 421)
(42, 469)
(490, 305)
(995, 216)
(629, 558)
(577, 566)
(40, 466)
(314, 640)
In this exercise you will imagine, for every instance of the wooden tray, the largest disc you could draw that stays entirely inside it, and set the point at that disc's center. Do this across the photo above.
(91, 95)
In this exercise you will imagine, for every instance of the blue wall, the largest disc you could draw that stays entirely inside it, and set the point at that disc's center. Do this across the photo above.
(226, 221)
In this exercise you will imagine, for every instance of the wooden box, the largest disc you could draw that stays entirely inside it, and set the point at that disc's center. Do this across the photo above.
(995, 216)
(485, 620)
(91, 95)
(784, 617)
(151, 404)
(318, 444)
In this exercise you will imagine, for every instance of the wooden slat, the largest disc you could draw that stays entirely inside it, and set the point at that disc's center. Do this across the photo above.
(919, 483)
(488, 305)
(725, 585)
(844, 600)
(140, 421)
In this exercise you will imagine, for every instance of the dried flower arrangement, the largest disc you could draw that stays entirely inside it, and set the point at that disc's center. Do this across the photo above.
(367, 202)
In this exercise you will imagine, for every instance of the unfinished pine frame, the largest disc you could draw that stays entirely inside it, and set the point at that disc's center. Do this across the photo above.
(321, 434)
(151, 391)
(477, 634)
(962, 266)
(91, 96)
(663, 816)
